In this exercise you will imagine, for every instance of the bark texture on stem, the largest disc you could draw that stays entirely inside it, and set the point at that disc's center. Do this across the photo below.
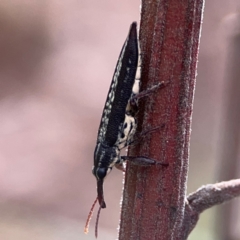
(154, 197)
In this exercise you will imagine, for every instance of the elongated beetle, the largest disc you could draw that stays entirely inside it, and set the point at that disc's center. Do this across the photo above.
(118, 123)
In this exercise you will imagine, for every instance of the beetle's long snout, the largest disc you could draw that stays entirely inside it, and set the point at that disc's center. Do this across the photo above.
(100, 193)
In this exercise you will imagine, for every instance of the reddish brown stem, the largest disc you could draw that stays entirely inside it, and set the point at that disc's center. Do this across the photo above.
(153, 201)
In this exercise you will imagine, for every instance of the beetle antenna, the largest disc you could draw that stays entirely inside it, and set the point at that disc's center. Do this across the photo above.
(89, 217)
(97, 219)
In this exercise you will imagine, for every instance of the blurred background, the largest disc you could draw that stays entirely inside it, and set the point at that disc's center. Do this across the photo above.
(56, 63)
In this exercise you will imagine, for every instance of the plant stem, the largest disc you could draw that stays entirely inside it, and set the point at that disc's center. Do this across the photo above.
(154, 197)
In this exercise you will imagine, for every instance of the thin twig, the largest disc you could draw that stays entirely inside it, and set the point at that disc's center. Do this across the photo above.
(206, 197)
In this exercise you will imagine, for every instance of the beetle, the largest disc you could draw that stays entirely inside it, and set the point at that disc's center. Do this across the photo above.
(118, 123)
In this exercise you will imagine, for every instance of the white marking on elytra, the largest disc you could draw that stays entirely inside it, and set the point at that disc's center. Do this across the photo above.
(128, 129)
(111, 96)
(138, 73)
(136, 86)
(126, 132)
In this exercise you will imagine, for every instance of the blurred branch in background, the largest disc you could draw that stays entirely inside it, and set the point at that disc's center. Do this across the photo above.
(24, 43)
(229, 150)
